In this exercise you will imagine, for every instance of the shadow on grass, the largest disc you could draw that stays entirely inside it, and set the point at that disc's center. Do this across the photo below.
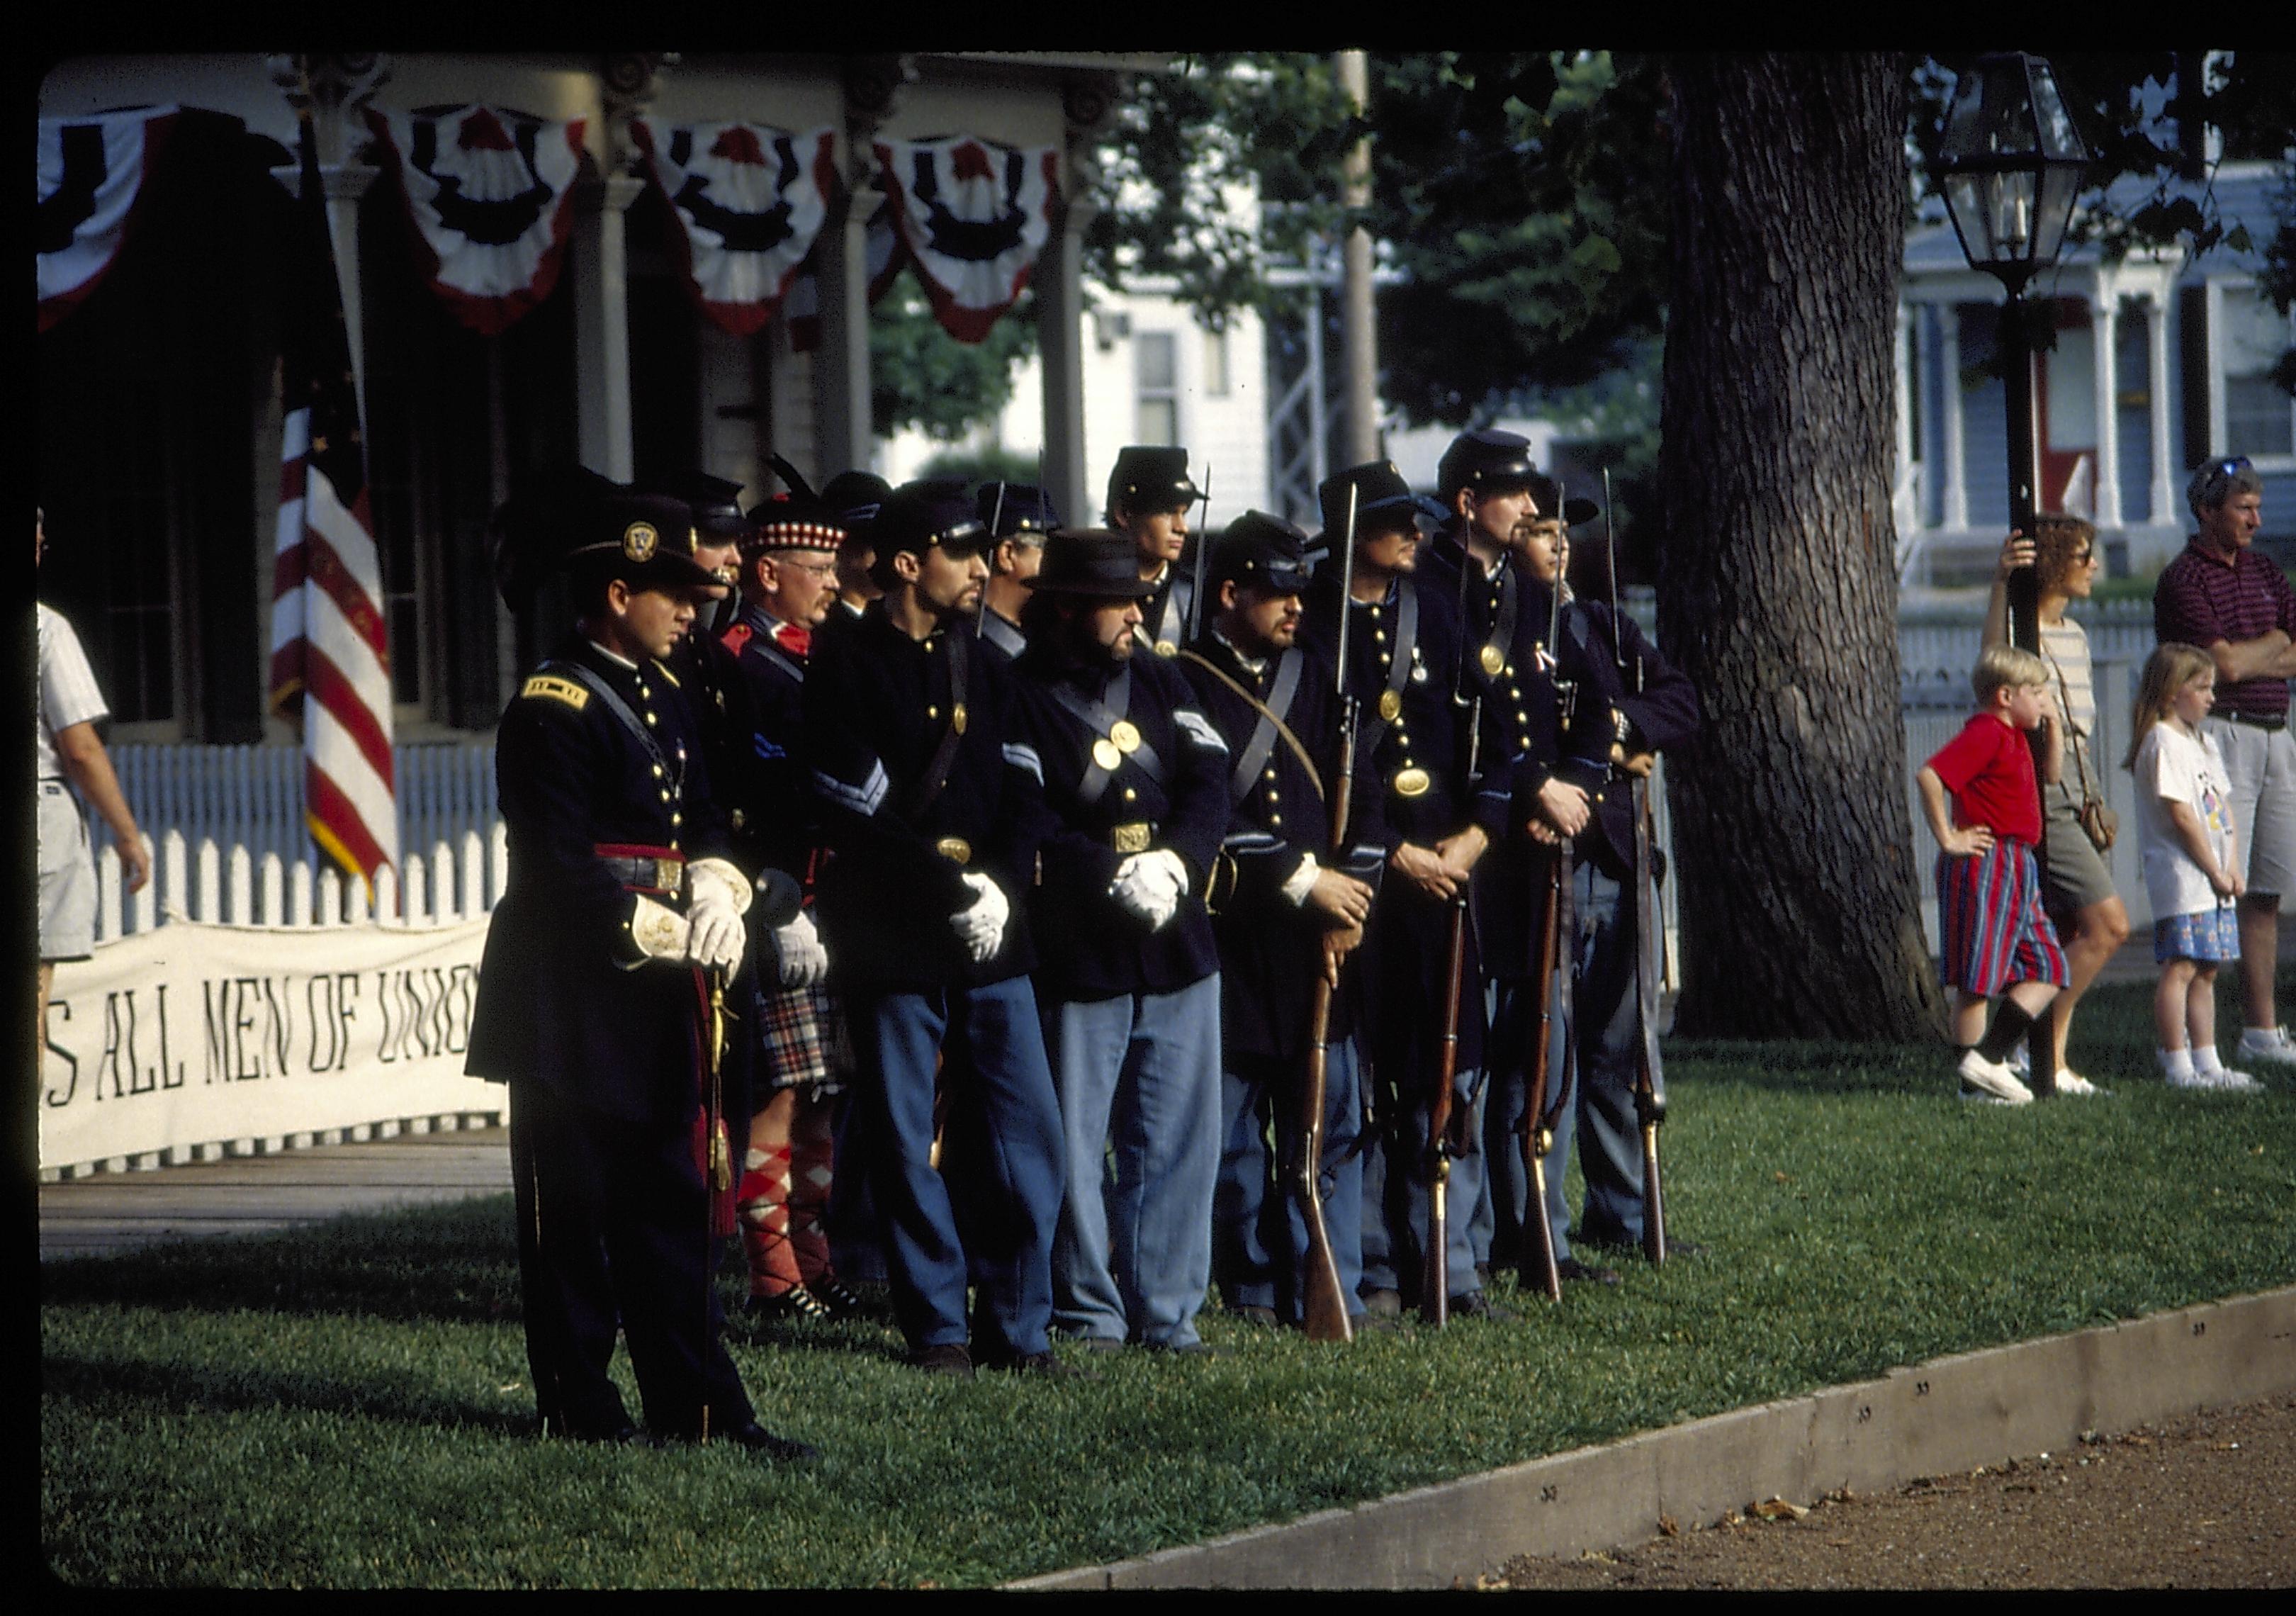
(455, 1263)
(1811, 1066)
(175, 1389)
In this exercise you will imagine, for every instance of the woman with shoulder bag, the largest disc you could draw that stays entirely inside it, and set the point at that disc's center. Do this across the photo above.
(2077, 825)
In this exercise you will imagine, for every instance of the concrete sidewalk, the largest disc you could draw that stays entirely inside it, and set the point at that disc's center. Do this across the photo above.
(108, 1212)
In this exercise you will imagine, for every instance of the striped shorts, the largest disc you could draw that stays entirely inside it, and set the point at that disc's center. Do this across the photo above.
(1993, 927)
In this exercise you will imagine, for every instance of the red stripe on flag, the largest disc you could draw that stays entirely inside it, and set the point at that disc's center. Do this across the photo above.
(337, 694)
(326, 570)
(336, 825)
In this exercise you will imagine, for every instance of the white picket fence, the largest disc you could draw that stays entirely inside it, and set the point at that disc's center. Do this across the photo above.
(443, 887)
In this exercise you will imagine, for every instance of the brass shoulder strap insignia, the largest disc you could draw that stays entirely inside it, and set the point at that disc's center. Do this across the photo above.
(676, 684)
(557, 690)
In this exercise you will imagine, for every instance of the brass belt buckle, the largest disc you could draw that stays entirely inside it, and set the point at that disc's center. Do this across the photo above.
(670, 875)
(1413, 781)
(1131, 838)
(957, 850)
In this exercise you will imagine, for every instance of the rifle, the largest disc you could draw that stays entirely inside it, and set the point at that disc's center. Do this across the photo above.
(720, 1176)
(1650, 1077)
(1203, 548)
(1435, 1262)
(1324, 1307)
(1539, 1114)
(996, 515)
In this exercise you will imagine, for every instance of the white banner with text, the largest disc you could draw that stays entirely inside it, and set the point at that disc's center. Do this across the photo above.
(191, 1034)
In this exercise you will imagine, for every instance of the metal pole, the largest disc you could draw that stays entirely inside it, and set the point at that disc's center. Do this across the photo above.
(1358, 335)
(2017, 364)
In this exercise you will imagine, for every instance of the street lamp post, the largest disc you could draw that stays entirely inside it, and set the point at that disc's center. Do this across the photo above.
(2011, 164)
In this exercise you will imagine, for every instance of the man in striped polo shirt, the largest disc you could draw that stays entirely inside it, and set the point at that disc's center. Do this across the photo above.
(2236, 605)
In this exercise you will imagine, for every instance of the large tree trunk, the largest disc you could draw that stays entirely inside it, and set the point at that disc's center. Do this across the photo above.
(1799, 900)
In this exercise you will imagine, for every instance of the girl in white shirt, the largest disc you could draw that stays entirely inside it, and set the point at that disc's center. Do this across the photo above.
(2185, 828)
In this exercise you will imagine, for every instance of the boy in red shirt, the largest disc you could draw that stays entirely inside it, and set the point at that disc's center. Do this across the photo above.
(1989, 912)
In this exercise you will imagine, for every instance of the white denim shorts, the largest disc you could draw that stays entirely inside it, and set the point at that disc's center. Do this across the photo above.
(67, 876)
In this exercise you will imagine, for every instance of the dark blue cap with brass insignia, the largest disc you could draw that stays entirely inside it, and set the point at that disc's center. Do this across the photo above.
(1548, 494)
(1384, 502)
(1092, 564)
(1007, 508)
(1260, 550)
(594, 528)
(853, 498)
(1150, 477)
(1488, 461)
(716, 504)
(922, 516)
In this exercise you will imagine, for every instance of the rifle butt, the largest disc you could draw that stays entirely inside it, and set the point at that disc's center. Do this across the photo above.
(1653, 1196)
(1323, 1309)
(1435, 1279)
(1538, 1266)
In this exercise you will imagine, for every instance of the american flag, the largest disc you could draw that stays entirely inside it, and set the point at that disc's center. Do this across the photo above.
(330, 661)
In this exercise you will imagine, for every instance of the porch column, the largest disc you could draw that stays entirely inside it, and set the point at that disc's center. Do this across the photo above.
(840, 363)
(2164, 513)
(1903, 504)
(601, 324)
(2104, 314)
(1953, 513)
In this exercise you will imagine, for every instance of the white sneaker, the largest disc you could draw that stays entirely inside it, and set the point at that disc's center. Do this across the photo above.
(2070, 1082)
(2269, 1045)
(2228, 1080)
(1984, 1079)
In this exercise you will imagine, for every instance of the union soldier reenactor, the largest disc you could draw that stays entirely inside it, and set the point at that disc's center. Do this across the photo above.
(1149, 494)
(853, 498)
(1541, 762)
(1018, 518)
(788, 586)
(622, 910)
(1649, 707)
(1290, 907)
(1128, 983)
(704, 674)
(933, 809)
(1405, 655)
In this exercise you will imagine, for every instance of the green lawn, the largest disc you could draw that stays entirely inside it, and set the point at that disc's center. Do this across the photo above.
(347, 1406)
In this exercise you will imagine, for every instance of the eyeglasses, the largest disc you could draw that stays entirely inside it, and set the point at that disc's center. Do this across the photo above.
(2227, 468)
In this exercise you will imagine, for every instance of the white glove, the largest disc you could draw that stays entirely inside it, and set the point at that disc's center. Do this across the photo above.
(715, 936)
(716, 875)
(1149, 885)
(981, 926)
(804, 961)
(658, 930)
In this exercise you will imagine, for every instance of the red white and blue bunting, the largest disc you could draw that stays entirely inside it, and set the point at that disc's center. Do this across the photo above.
(91, 176)
(488, 192)
(973, 216)
(748, 201)
(885, 255)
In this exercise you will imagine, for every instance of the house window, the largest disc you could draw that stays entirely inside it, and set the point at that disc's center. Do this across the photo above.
(1216, 382)
(2259, 419)
(1156, 387)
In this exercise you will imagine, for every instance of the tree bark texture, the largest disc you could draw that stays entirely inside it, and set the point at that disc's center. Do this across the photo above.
(1800, 904)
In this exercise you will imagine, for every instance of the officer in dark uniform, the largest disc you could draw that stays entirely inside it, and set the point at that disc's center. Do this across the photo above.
(933, 809)
(1127, 984)
(1149, 494)
(1405, 667)
(1650, 708)
(593, 1003)
(1541, 760)
(1290, 906)
(1018, 517)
